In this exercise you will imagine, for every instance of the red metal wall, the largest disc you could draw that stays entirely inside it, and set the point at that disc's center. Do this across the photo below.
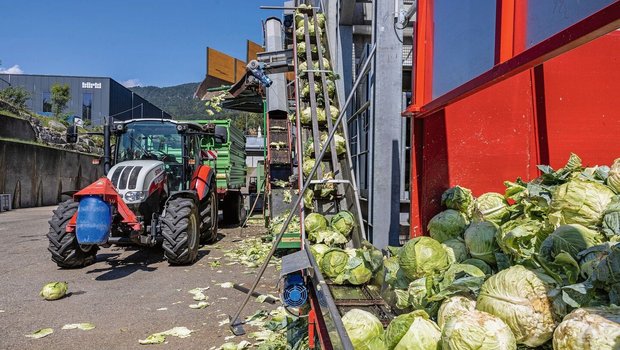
(582, 100)
(569, 104)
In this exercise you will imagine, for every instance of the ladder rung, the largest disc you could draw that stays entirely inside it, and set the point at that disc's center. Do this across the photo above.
(334, 181)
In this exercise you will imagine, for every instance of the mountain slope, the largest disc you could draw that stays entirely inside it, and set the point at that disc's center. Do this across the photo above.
(179, 102)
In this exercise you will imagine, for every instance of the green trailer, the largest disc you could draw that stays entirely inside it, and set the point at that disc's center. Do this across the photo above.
(227, 155)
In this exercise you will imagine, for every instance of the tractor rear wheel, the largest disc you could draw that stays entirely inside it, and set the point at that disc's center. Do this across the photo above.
(208, 217)
(65, 249)
(233, 206)
(180, 229)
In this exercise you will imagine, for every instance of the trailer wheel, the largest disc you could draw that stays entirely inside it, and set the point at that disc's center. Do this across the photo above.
(233, 206)
(65, 249)
(208, 217)
(180, 229)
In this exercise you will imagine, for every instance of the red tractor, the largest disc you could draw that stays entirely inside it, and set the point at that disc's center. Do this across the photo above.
(157, 191)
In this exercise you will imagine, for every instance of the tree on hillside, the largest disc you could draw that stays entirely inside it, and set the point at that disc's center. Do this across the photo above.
(14, 97)
(60, 97)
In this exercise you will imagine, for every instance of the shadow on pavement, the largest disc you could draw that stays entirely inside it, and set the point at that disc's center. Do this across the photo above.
(123, 267)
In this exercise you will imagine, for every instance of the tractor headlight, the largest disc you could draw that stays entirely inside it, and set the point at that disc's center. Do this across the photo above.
(135, 196)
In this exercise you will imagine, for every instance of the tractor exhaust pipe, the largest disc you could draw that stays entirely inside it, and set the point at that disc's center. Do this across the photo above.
(107, 151)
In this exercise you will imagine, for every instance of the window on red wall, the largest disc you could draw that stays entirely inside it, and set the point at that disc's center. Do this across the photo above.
(464, 42)
(548, 17)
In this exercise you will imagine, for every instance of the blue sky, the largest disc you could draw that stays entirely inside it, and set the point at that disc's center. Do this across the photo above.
(149, 42)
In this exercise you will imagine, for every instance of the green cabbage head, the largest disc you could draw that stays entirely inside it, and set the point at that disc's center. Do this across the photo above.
(492, 207)
(343, 222)
(589, 328)
(321, 115)
(571, 238)
(447, 224)
(359, 275)
(306, 115)
(422, 255)
(606, 275)
(311, 29)
(521, 238)
(458, 198)
(611, 220)
(341, 147)
(412, 331)
(419, 293)
(579, 202)
(318, 250)
(613, 179)
(477, 330)
(590, 258)
(301, 48)
(453, 306)
(364, 329)
(314, 222)
(483, 266)
(334, 262)
(518, 296)
(480, 241)
(328, 237)
(54, 290)
(456, 249)
(320, 19)
(394, 275)
(307, 166)
(309, 199)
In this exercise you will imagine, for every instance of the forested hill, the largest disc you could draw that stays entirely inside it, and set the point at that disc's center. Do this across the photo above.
(179, 102)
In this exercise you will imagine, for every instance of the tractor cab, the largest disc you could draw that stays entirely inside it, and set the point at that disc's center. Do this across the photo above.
(159, 140)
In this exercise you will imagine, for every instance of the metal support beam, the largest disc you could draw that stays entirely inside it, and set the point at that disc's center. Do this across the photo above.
(276, 93)
(385, 135)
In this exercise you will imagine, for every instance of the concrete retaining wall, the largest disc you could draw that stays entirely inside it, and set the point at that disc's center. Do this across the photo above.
(37, 175)
(15, 128)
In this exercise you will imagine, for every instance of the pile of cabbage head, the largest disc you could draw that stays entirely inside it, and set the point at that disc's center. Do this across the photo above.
(341, 265)
(537, 266)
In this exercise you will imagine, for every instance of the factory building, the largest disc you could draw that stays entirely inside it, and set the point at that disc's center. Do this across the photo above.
(92, 98)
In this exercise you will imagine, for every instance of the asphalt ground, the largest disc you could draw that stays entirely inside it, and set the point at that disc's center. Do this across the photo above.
(128, 294)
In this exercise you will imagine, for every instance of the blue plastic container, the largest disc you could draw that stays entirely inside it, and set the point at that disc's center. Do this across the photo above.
(93, 220)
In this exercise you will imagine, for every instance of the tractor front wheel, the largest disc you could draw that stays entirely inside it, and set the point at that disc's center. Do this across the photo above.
(180, 229)
(65, 249)
(208, 217)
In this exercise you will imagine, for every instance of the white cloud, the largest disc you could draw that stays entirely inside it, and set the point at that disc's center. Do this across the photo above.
(131, 83)
(12, 70)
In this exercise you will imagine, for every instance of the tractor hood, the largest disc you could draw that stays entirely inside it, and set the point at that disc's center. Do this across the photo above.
(136, 179)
